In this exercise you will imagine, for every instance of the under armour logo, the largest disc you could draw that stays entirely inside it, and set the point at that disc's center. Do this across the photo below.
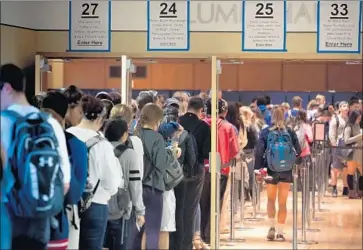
(46, 161)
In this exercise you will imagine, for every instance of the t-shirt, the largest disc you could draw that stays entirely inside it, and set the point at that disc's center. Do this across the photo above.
(6, 129)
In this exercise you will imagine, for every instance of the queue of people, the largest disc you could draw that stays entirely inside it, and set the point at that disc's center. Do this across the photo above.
(87, 172)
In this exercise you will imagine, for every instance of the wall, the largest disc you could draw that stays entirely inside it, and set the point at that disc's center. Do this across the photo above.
(216, 29)
(17, 45)
(193, 74)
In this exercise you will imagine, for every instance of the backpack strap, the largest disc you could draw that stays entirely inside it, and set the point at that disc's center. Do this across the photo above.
(90, 143)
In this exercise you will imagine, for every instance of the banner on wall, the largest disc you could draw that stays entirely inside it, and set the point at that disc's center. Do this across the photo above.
(338, 26)
(90, 26)
(168, 25)
(264, 26)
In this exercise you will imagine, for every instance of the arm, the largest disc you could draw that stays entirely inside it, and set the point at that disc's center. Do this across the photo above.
(333, 131)
(109, 166)
(135, 183)
(207, 141)
(63, 153)
(79, 171)
(260, 150)
(348, 138)
(295, 142)
(233, 144)
(190, 156)
(309, 133)
(161, 157)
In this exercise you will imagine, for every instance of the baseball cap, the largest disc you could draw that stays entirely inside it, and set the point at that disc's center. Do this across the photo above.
(172, 102)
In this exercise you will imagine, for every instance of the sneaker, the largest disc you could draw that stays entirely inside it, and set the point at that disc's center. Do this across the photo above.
(345, 191)
(353, 194)
(271, 234)
(334, 193)
(280, 237)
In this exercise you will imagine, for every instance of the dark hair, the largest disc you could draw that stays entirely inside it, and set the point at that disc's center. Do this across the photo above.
(115, 98)
(108, 106)
(195, 103)
(261, 100)
(233, 115)
(73, 95)
(324, 112)
(254, 99)
(302, 116)
(115, 129)
(144, 99)
(13, 75)
(353, 116)
(38, 101)
(268, 99)
(353, 101)
(93, 108)
(57, 102)
(103, 95)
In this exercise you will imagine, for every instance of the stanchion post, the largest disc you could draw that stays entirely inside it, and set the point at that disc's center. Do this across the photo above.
(231, 223)
(254, 200)
(294, 206)
(305, 205)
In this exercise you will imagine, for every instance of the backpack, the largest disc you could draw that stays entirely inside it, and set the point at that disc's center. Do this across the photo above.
(38, 191)
(301, 135)
(280, 153)
(89, 190)
(119, 202)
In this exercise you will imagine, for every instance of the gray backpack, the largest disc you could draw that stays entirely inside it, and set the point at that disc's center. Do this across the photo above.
(119, 203)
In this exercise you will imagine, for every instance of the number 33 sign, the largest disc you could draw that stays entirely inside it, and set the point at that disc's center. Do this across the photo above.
(168, 25)
(90, 26)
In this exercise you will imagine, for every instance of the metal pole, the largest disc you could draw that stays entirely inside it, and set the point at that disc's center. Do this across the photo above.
(308, 198)
(313, 190)
(242, 197)
(294, 205)
(254, 201)
(231, 223)
(305, 205)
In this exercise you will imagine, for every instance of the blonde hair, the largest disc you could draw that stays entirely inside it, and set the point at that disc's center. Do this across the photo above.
(285, 105)
(183, 99)
(320, 98)
(151, 114)
(313, 103)
(246, 115)
(121, 110)
(278, 117)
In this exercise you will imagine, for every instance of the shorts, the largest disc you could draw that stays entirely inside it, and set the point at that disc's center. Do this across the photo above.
(337, 163)
(285, 177)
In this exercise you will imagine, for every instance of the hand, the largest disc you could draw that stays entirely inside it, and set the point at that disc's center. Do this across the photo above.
(140, 221)
(178, 152)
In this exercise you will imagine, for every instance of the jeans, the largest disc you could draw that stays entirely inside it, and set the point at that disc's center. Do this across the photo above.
(115, 232)
(197, 220)
(93, 227)
(187, 195)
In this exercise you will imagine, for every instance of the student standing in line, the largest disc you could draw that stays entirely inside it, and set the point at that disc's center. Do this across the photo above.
(277, 140)
(31, 233)
(127, 198)
(104, 174)
(353, 137)
(156, 159)
(56, 104)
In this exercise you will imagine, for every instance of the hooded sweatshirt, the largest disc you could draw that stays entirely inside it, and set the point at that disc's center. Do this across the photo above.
(131, 170)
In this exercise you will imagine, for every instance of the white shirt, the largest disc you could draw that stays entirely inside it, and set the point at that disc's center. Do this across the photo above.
(6, 130)
(103, 165)
(139, 150)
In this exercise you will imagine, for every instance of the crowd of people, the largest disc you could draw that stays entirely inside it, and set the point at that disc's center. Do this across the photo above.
(88, 172)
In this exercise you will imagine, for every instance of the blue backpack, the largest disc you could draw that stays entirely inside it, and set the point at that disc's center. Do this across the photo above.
(280, 152)
(35, 164)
